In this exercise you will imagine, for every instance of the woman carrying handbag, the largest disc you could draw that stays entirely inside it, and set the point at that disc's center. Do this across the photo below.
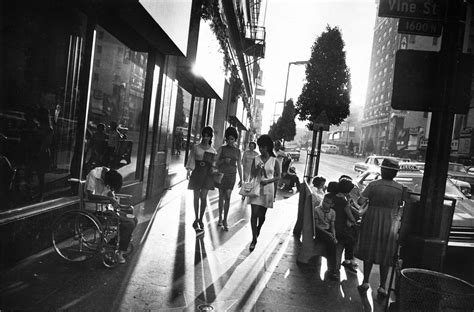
(267, 170)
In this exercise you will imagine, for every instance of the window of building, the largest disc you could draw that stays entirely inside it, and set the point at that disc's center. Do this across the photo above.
(39, 115)
(115, 119)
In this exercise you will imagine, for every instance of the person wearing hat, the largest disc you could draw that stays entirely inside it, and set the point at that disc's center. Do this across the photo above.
(377, 242)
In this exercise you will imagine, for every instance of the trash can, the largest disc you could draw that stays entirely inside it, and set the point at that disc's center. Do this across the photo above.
(425, 290)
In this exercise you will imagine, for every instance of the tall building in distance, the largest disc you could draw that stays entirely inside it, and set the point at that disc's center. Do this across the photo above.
(388, 131)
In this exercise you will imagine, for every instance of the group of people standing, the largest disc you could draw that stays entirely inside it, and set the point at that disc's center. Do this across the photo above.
(205, 164)
(364, 224)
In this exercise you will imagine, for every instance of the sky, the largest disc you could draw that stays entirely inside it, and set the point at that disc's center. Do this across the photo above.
(292, 27)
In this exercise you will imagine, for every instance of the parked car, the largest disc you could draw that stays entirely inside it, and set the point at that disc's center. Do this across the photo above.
(459, 172)
(371, 162)
(463, 186)
(413, 178)
(329, 149)
(293, 153)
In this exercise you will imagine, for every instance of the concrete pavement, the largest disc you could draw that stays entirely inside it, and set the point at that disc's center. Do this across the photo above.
(172, 270)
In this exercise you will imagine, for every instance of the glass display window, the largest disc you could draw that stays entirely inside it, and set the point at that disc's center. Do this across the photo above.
(43, 55)
(114, 123)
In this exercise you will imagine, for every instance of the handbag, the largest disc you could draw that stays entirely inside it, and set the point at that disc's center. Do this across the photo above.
(250, 189)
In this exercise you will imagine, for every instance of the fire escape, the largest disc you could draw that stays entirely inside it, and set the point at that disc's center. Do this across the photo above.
(254, 35)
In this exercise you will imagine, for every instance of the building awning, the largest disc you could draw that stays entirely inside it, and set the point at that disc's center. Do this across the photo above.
(137, 27)
(235, 122)
(193, 83)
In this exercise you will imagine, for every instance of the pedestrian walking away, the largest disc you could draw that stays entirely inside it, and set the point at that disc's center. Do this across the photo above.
(200, 168)
(266, 170)
(379, 227)
(228, 162)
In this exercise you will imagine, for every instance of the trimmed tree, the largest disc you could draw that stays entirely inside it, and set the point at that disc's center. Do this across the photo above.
(327, 86)
(285, 127)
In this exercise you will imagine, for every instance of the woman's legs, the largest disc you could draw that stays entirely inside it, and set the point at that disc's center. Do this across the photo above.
(196, 194)
(226, 207)
(221, 205)
(203, 198)
(261, 218)
(383, 275)
(367, 270)
(253, 222)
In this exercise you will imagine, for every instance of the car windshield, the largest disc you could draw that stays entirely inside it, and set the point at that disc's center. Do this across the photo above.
(457, 168)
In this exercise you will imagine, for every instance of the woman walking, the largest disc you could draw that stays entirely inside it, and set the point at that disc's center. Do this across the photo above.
(200, 163)
(267, 170)
(228, 163)
(378, 232)
(247, 160)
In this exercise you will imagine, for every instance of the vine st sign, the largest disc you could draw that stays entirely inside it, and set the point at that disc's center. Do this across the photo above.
(415, 9)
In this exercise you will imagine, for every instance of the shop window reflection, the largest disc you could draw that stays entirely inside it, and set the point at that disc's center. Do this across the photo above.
(115, 106)
(39, 111)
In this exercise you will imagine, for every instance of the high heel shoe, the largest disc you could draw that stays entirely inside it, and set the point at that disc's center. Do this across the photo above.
(196, 225)
(224, 226)
(252, 246)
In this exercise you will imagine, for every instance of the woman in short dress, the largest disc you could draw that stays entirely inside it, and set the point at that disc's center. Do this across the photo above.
(267, 170)
(200, 163)
(228, 163)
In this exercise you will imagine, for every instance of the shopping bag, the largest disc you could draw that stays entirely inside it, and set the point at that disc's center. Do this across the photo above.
(250, 189)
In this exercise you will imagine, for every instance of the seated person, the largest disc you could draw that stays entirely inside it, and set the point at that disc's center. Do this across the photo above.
(101, 184)
(325, 217)
(290, 180)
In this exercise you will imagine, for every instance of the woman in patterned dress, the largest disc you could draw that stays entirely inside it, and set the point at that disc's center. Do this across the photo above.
(378, 232)
(267, 170)
(200, 163)
(228, 163)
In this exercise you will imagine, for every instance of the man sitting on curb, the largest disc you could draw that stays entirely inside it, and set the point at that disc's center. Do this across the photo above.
(101, 184)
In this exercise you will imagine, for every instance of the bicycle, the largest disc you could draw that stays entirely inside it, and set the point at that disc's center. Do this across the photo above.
(81, 234)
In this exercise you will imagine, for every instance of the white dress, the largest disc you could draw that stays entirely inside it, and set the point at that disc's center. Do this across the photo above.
(266, 196)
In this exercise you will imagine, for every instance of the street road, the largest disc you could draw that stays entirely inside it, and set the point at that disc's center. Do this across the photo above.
(330, 166)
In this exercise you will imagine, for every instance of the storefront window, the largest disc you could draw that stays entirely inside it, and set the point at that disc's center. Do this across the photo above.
(116, 106)
(39, 113)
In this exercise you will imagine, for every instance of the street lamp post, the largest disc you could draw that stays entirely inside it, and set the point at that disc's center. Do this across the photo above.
(288, 75)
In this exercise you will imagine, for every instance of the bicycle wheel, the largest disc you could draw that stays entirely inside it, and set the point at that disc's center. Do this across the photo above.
(77, 236)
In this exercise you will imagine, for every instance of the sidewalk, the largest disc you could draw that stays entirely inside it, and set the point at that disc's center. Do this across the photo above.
(172, 270)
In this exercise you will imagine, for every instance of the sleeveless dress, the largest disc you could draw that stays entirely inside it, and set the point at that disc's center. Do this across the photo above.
(228, 169)
(379, 227)
(266, 197)
(200, 162)
(247, 160)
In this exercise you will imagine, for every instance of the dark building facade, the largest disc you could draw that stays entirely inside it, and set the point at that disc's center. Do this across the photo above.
(89, 83)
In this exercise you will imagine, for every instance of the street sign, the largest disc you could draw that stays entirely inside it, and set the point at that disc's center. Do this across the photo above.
(321, 121)
(403, 42)
(418, 9)
(419, 27)
(418, 84)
